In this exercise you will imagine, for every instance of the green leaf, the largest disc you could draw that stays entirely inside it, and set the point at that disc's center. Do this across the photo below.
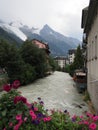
(4, 113)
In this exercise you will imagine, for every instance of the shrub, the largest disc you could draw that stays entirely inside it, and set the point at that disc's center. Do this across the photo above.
(28, 74)
(16, 113)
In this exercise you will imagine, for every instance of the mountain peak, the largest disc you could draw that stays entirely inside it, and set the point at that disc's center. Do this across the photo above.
(17, 24)
(47, 27)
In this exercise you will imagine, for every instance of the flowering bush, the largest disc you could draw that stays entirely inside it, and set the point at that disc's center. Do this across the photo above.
(16, 113)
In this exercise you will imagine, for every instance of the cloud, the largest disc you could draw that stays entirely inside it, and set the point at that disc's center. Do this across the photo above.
(62, 15)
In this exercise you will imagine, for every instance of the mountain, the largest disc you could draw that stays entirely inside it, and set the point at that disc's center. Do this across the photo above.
(12, 28)
(58, 43)
(9, 37)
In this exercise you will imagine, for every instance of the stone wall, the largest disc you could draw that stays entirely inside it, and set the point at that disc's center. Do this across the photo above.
(92, 63)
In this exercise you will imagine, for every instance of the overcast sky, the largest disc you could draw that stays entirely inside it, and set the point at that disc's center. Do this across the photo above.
(63, 16)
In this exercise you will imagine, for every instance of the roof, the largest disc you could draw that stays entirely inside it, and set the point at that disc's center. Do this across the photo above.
(72, 51)
(84, 16)
(41, 44)
(60, 58)
(89, 16)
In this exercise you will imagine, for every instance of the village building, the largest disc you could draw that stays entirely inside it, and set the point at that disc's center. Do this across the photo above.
(71, 55)
(41, 45)
(90, 46)
(61, 61)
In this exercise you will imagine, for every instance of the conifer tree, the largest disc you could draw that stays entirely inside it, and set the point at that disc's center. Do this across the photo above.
(79, 60)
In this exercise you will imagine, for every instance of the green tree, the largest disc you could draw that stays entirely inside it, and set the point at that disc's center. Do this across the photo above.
(27, 74)
(79, 60)
(9, 59)
(67, 68)
(34, 56)
(53, 64)
(16, 68)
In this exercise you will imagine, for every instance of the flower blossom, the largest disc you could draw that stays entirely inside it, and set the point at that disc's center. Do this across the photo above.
(95, 118)
(92, 126)
(25, 119)
(20, 98)
(18, 117)
(35, 109)
(32, 114)
(86, 122)
(16, 84)
(10, 124)
(46, 119)
(16, 127)
(7, 87)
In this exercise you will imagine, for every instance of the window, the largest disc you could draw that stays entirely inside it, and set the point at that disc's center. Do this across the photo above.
(96, 47)
(93, 51)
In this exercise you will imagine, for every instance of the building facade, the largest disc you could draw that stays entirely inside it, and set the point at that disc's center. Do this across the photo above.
(41, 45)
(90, 42)
(71, 55)
(61, 61)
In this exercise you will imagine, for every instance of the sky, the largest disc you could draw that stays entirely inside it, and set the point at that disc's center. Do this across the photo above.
(63, 16)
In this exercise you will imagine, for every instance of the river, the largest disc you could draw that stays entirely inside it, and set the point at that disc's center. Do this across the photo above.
(57, 91)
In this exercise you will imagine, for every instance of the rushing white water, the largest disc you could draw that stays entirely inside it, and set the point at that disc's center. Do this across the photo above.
(57, 91)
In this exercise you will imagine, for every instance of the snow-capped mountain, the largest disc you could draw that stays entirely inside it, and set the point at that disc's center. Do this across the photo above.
(58, 43)
(14, 29)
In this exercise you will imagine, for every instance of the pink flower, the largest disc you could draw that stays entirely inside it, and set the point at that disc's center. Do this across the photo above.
(34, 117)
(86, 122)
(80, 122)
(10, 124)
(4, 129)
(18, 117)
(20, 122)
(20, 98)
(89, 114)
(7, 88)
(16, 84)
(46, 119)
(16, 127)
(32, 114)
(95, 118)
(74, 118)
(28, 104)
(92, 126)
(35, 109)
(81, 117)
(25, 119)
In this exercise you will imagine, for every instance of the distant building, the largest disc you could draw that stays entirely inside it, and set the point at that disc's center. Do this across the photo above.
(41, 45)
(90, 45)
(61, 61)
(67, 61)
(71, 55)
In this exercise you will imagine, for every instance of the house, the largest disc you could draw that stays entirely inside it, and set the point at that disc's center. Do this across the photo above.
(61, 61)
(71, 55)
(41, 45)
(89, 24)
